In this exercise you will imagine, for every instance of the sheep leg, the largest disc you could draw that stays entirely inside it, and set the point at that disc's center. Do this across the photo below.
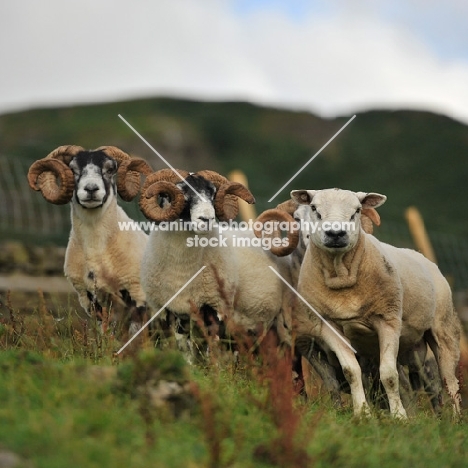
(416, 364)
(372, 384)
(137, 311)
(405, 387)
(432, 384)
(318, 360)
(351, 370)
(93, 307)
(424, 372)
(389, 340)
(375, 390)
(447, 357)
(327, 373)
(84, 297)
(137, 319)
(182, 328)
(298, 373)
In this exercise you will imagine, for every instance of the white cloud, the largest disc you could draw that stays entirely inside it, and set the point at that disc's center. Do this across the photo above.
(334, 63)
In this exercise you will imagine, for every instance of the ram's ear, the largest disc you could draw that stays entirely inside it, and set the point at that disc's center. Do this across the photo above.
(371, 199)
(303, 197)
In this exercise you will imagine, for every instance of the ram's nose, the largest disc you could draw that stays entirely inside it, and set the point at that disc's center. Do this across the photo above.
(336, 238)
(91, 188)
(335, 234)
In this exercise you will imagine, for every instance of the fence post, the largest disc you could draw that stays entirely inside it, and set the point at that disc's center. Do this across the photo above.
(419, 233)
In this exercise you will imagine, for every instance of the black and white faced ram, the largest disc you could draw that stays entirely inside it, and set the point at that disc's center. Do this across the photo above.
(102, 261)
(236, 285)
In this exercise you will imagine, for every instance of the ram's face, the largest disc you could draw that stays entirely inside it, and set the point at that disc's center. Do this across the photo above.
(199, 207)
(334, 217)
(94, 178)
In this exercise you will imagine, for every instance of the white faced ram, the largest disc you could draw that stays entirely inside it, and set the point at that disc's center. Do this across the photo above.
(302, 215)
(387, 302)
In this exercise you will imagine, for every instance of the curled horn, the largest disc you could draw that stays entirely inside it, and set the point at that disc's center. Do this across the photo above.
(369, 217)
(128, 173)
(44, 174)
(225, 202)
(279, 215)
(290, 206)
(159, 182)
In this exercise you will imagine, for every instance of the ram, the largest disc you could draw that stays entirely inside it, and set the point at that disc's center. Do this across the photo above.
(386, 302)
(102, 262)
(332, 377)
(236, 284)
(422, 368)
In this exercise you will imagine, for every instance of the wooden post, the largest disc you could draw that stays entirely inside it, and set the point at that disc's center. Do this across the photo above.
(246, 211)
(419, 233)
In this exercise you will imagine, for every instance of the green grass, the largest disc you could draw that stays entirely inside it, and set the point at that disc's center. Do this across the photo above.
(66, 401)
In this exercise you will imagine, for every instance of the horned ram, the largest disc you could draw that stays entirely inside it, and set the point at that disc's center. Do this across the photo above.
(102, 262)
(236, 284)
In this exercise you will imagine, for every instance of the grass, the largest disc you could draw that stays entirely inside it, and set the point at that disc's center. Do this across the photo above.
(67, 401)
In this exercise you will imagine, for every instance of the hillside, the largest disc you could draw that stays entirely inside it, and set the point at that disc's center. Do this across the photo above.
(412, 157)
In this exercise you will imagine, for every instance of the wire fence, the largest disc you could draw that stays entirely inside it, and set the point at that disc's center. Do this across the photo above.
(451, 252)
(27, 217)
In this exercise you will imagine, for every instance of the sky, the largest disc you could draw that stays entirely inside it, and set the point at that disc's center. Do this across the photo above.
(329, 57)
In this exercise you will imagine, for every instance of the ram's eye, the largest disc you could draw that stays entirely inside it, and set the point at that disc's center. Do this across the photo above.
(354, 215)
(314, 209)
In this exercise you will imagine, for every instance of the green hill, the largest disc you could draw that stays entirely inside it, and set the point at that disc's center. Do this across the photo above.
(412, 157)
(415, 158)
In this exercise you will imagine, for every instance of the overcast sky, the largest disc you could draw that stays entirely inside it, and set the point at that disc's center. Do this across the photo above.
(331, 57)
